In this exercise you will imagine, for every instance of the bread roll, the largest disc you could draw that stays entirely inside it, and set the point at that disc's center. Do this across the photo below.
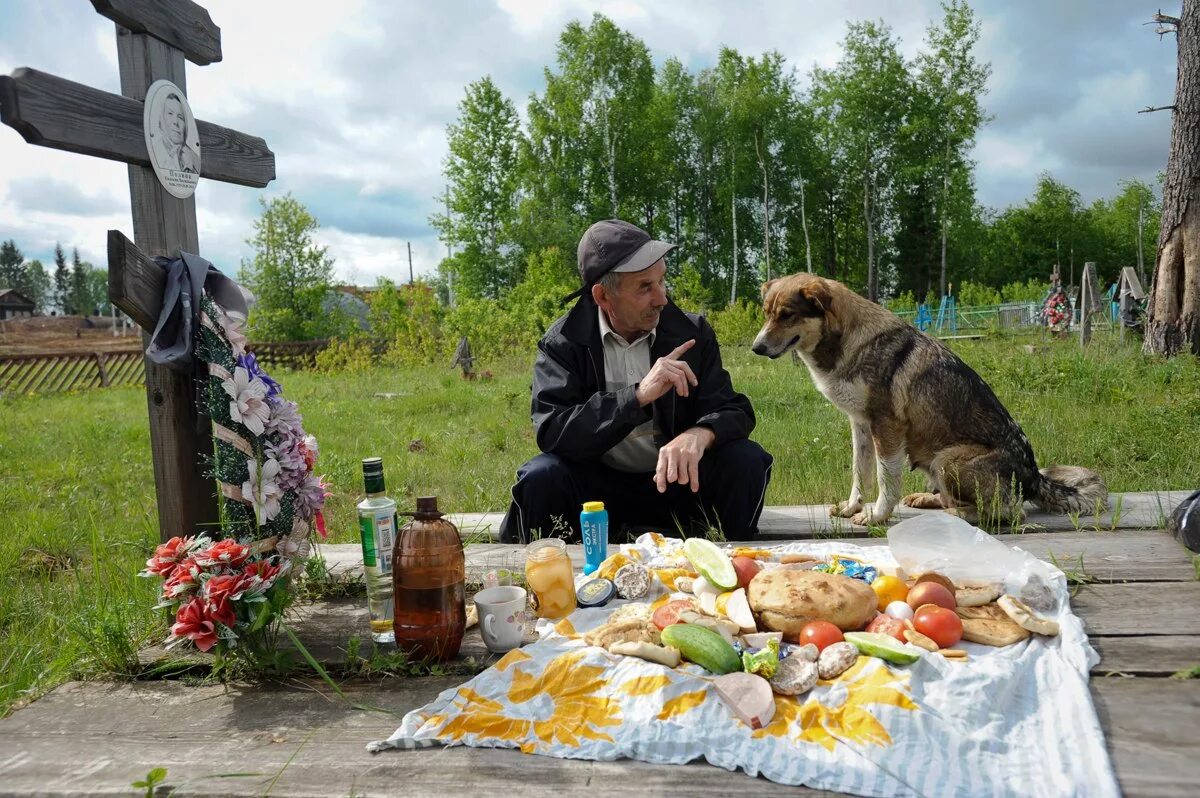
(786, 598)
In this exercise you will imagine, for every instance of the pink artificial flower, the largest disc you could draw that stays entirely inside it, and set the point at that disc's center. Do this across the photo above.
(193, 623)
(311, 451)
(224, 552)
(224, 588)
(264, 570)
(183, 579)
(168, 555)
(222, 613)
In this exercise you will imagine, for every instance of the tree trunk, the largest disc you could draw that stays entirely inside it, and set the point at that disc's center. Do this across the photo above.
(1174, 322)
(762, 165)
(872, 277)
(804, 225)
(733, 211)
(943, 220)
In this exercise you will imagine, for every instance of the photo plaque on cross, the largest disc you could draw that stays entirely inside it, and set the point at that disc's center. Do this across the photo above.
(154, 37)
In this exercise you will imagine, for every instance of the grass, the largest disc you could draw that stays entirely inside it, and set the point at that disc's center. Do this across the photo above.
(77, 507)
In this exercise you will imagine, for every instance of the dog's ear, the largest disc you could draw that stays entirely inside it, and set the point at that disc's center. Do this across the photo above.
(818, 294)
(767, 286)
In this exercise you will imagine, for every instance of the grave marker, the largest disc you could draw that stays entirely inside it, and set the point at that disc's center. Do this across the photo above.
(153, 39)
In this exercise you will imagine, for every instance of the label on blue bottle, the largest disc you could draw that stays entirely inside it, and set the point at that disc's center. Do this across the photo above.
(594, 526)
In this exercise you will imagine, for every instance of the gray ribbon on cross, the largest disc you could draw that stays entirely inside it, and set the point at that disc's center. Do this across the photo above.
(187, 277)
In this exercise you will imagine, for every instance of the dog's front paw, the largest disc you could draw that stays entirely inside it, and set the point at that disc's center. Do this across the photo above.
(844, 509)
(923, 501)
(868, 517)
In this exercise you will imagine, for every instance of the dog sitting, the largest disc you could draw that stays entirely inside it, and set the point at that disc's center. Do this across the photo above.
(908, 396)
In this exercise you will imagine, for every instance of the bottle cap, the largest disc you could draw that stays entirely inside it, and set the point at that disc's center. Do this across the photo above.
(595, 593)
(593, 507)
(373, 474)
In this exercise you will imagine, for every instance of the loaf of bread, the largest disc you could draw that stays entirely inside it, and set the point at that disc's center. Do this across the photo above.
(784, 599)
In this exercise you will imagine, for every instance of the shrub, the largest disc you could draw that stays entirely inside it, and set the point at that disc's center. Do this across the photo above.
(346, 355)
(738, 323)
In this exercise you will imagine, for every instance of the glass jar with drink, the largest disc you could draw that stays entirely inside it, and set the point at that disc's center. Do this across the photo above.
(550, 577)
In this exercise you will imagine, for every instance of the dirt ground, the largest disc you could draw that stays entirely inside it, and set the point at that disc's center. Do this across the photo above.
(54, 334)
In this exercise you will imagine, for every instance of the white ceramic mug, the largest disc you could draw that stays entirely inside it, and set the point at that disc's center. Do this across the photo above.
(501, 617)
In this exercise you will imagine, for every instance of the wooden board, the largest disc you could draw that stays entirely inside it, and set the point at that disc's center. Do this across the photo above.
(1152, 727)
(1144, 510)
(1158, 608)
(182, 24)
(1162, 655)
(64, 115)
(98, 738)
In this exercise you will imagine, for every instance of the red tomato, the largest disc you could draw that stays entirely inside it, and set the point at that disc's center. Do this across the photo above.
(668, 614)
(820, 634)
(940, 625)
(886, 624)
(931, 593)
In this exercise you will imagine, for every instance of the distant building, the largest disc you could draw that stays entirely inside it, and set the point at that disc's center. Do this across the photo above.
(14, 305)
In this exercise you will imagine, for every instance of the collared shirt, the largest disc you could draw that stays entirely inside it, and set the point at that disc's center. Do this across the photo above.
(627, 364)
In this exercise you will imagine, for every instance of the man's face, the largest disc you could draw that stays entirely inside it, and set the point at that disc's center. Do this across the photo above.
(636, 306)
(172, 122)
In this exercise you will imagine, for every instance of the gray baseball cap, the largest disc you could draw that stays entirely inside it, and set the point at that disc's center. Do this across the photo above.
(614, 245)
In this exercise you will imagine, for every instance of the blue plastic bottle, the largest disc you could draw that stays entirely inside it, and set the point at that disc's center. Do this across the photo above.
(593, 522)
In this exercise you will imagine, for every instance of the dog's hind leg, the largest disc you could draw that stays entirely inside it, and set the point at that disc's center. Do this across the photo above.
(864, 472)
(923, 501)
(976, 485)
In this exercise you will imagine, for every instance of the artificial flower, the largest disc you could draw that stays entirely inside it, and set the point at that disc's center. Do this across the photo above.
(234, 327)
(262, 489)
(310, 497)
(228, 553)
(184, 579)
(193, 623)
(222, 613)
(311, 451)
(248, 394)
(320, 519)
(292, 465)
(250, 363)
(224, 588)
(283, 421)
(171, 553)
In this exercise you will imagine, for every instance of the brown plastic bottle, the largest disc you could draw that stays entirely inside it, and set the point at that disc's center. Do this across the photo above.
(429, 585)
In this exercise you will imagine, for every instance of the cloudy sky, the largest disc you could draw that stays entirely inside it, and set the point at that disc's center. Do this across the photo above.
(354, 98)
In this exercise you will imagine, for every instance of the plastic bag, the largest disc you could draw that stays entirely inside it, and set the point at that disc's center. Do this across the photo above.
(967, 555)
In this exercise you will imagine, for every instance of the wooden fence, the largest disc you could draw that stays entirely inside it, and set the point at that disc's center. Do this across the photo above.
(69, 371)
(72, 371)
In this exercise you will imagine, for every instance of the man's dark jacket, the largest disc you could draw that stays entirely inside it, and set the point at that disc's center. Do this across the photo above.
(574, 415)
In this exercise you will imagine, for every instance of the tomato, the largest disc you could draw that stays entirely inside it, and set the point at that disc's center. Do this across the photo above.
(940, 625)
(886, 624)
(931, 593)
(889, 589)
(668, 614)
(820, 634)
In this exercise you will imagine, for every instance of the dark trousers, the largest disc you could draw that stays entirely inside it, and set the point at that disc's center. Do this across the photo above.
(551, 490)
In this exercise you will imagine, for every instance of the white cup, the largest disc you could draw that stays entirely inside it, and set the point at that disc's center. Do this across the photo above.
(501, 617)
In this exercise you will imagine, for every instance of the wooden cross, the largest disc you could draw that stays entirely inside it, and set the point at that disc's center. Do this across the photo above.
(153, 39)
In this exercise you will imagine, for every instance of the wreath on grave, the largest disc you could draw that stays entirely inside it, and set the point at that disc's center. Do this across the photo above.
(228, 589)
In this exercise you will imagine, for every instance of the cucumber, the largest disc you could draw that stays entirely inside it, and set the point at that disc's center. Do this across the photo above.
(883, 646)
(702, 646)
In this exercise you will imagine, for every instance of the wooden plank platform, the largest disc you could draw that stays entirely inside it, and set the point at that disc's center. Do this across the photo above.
(1147, 510)
(97, 738)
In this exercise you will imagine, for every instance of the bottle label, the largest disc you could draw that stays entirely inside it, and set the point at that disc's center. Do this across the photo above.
(378, 533)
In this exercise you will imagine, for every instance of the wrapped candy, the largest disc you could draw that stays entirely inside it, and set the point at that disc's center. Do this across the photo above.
(845, 566)
(764, 661)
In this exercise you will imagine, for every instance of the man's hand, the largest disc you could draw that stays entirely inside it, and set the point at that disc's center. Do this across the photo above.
(668, 372)
(679, 460)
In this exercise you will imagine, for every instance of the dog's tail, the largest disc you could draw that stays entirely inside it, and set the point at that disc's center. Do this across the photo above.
(1070, 489)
